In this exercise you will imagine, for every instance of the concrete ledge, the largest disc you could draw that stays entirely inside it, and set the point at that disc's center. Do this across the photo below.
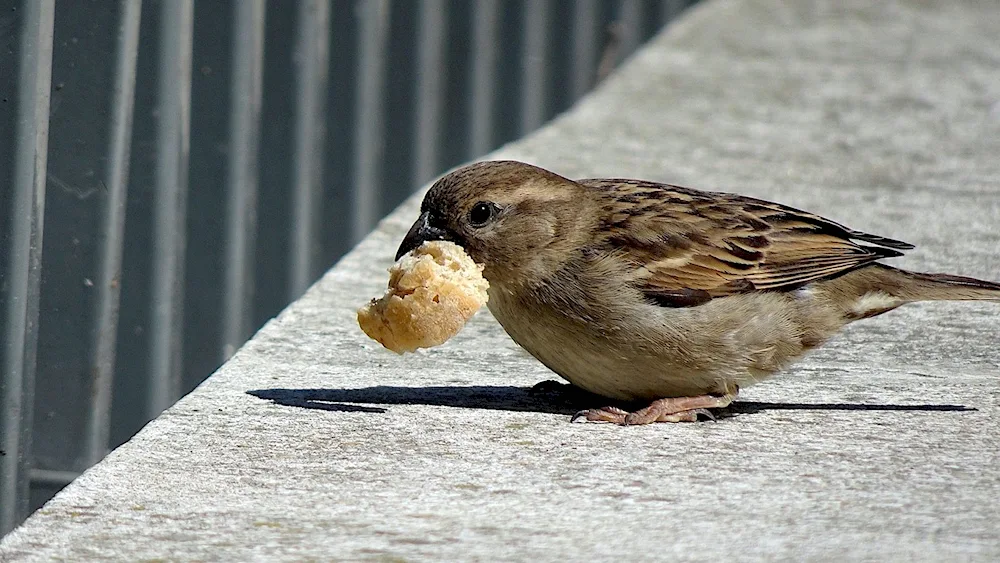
(882, 115)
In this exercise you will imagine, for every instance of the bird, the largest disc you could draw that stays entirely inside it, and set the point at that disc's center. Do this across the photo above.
(647, 293)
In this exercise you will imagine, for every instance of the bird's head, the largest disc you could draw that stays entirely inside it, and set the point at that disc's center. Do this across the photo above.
(518, 220)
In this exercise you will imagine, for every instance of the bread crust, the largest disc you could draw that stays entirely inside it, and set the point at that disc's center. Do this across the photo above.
(433, 291)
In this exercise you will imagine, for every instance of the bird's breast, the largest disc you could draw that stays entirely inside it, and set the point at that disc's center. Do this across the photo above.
(601, 352)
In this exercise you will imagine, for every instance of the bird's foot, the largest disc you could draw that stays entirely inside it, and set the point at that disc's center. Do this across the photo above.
(673, 409)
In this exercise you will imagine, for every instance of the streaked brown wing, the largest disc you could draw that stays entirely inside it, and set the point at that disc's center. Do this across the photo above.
(690, 246)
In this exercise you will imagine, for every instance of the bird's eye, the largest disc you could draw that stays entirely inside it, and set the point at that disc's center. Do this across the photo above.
(481, 213)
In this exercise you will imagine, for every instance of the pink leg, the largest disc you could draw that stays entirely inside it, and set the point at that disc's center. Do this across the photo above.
(672, 409)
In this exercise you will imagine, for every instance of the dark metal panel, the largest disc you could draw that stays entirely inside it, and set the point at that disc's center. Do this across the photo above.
(131, 385)
(207, 196)
(170, 215)
(244, 135)
(486, 25)
(431, 75)
(272, 267)
(76, 195)
(369, 141)
(534, 65)
(400, 106)
(670, 9)
(111, 242)
(586, 15)
(25, 260)
(335, 225)
(312, 64)
(631, 19)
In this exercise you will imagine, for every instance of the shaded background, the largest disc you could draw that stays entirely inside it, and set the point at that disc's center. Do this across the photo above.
(266, 139)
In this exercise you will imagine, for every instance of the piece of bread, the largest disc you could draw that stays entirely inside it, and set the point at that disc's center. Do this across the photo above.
(433, 291)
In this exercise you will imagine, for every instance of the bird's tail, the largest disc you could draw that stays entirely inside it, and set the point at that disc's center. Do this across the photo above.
(914, 286)
(877, 288)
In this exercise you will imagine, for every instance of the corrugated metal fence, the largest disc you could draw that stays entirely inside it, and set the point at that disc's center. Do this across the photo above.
(197, 165)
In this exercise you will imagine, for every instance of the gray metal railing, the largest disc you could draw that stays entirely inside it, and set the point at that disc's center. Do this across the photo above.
(24, 257)
(210, 159)
(107, 284)
(246, 95)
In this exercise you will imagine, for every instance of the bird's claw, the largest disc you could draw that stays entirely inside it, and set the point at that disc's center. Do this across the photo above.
(613, 415)
(679, 409)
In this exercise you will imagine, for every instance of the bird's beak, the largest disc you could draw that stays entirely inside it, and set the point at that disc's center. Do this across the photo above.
(422, 231)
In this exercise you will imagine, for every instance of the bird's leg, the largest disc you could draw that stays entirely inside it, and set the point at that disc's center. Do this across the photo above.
(672, 409)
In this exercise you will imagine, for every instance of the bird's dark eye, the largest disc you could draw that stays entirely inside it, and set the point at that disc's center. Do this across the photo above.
(481, 213)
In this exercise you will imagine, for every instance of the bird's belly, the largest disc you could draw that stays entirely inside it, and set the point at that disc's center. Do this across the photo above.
(608, 363)
(661, 352)
(624, 376)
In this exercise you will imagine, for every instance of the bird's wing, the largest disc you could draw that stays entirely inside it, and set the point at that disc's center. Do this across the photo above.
(688, 246)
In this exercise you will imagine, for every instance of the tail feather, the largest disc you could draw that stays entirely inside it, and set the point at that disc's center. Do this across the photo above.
(917, 286)
(877, 288)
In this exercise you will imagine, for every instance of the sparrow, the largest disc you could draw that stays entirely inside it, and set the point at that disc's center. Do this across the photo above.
(646, 292)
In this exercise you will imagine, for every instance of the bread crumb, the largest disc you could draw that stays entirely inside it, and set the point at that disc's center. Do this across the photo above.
(433, 291)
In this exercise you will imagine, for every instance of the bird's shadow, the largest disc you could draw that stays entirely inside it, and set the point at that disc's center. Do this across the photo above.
(546, 397)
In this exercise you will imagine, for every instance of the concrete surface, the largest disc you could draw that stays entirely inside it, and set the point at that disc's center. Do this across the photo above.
(884, 445)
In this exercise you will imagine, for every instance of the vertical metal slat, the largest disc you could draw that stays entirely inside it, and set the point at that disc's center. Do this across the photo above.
(534, 61)
(25, 261)
(105, 330)
(585, 46)
(431, 77)
(170, 215)
(312, 65)
(630, 27)
(485, 30)
(244, 136)
(369, 142)
(670, 9)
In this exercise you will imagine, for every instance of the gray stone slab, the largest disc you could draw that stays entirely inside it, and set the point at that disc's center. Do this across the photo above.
(883, 115)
